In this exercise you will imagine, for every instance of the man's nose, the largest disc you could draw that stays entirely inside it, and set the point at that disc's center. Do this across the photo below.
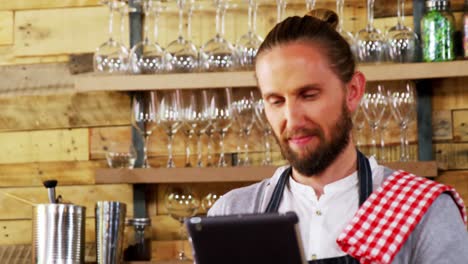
(295, 115)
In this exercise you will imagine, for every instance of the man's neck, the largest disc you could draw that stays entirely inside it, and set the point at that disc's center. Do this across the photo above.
(344, 165)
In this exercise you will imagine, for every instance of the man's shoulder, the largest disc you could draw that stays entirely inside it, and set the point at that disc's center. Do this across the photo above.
(246, 199)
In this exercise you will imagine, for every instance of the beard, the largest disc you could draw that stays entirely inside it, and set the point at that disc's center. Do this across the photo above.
(316, 160)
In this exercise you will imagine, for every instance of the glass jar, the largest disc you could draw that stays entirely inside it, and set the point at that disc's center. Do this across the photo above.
(138, 235)
(437, 31)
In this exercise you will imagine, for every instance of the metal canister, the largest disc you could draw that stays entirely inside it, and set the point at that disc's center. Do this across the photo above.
(58, 233)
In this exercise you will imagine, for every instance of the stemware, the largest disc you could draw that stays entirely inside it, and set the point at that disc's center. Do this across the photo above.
(245, 118)
(383, 126)
(209, 200)
(280, 9)
(310, 4)
(265, 127)
(373, 104)
(403, 105)
(111, 56)
(402, 41)
(218, 54)
(248, 44)
(371, 46)
(221, 117)
(359, 121)
(196, 121)
(182, 54)
(348, 36)
(181, 203)
(170, 118)
(144, 118)
(147, 56)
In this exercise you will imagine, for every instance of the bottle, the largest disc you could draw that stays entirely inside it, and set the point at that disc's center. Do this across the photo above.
(465, 30)
(138, 238)
(437, 31)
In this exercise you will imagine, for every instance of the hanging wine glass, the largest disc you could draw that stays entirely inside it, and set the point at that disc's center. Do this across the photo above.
(170, 118)
(209, 145)
(248, 44)
(348, 36)
(402, 41)
(221, 117)
(147, 56)
(373, 104)
(310, 4)
(111, 56)
(359, 121)
(182, 54)
(181, 203)
(280, 10)
(265, 127)
(244, 113)
(218, 54)
(371, 46)
(196, 121)
(209, 200)
(403, 106)
(383, 127)
(144, 118)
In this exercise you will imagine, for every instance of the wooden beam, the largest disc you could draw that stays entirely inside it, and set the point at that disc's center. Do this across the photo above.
(46, 4)
(6, 27)
(45, 145)
(84, 195)
(8, 57)
(34, 174)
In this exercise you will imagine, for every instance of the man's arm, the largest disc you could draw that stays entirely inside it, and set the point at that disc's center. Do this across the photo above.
(440, 236)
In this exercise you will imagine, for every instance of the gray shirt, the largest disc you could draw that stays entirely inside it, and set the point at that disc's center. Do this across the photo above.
(440, 236)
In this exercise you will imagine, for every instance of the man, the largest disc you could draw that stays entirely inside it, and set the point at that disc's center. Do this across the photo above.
(350, 208)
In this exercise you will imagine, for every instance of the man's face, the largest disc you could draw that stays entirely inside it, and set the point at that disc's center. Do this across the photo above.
(305, 103)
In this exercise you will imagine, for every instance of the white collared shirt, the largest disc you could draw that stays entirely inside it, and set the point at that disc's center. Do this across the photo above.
(322, 220)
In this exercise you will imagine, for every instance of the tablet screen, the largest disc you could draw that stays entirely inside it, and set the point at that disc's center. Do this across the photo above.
(249, 238)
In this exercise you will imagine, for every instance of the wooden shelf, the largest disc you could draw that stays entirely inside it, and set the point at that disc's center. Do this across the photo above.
(229, 174)
(374, 72)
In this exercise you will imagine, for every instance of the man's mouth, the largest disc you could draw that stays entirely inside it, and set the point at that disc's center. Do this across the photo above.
(300, 140)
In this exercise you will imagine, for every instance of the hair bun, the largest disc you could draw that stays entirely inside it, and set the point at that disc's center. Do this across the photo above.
(326, 15)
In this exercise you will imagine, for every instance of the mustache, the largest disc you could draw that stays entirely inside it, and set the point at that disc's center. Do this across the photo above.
(302, 132)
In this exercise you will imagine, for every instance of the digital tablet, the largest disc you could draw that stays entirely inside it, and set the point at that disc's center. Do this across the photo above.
(271, 238)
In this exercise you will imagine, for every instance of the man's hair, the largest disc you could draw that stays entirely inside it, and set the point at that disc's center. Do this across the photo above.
(317, 27)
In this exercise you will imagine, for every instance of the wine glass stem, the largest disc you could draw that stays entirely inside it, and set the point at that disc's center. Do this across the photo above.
(219, 31)
(111, 20)
(267, 160)
(246, 147)
(181, 254)
(339, 9)
(209, 150)
(155, 16)
(199, 151)
(145, 150)
(170, 161)
(181, 19)
(280, 8)
(187, 150)
(404, 143)
(250, 14)
(383, 156)
(239, 146)
(373, 129)
(148, 20)
(222, 161)
(189, 23)
(401, 12)
(370, 14)
(310, 4)
(123, 12)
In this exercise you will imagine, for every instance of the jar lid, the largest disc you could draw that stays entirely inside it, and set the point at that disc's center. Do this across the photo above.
(437, 3)
(138, 221)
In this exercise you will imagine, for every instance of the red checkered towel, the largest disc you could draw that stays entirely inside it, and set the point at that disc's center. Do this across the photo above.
(386, 219)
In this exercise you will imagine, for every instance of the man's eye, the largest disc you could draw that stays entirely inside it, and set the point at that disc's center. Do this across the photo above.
(310, 95)
(275, 101)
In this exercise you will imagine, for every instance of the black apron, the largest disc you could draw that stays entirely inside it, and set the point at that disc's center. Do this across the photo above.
(365, 189)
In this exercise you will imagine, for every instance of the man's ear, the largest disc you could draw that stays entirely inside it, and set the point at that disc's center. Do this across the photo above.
(355, 90)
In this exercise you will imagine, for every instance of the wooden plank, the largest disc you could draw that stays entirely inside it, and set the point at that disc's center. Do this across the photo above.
(450, 93)
(16, 232)
(228, 174)
(6, 27)
(7, 57)
(84, 195)
(42, 146)
(66, 110)
(457, 179)
(460, 125)
(60, 31)
(381, 72)
(45, 4)
(34, 174)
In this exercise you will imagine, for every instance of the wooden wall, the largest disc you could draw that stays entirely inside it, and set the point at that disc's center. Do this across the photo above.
(47, 131)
